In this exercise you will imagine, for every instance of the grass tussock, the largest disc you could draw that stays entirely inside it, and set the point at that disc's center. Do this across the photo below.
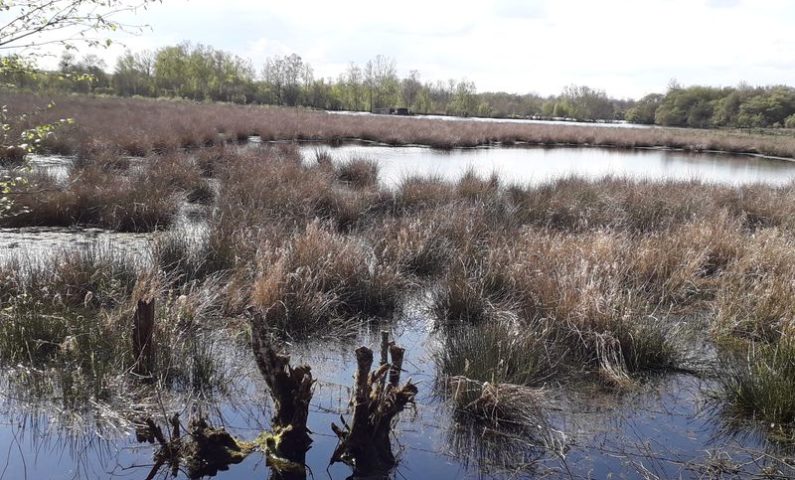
(323, 278)
(94, 197)
(757, 382)
(755, 301)
(358, 173)
(497, 352)
(493, 373)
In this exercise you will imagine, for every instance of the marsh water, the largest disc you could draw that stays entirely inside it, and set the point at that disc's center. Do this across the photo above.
(668, 426)
(537, 121)
(535, 165)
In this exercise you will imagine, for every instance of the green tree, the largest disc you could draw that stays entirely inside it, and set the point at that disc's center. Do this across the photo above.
(585, 103)
(29, 25)
(381, 81)
(288, 77)
(134, 74)
(410, 88)
(465, 101)
(645, 109)
(689, 107)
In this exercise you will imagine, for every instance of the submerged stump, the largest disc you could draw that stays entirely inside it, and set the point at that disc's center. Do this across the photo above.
(365, 444)
(291, 390)
(204, 451)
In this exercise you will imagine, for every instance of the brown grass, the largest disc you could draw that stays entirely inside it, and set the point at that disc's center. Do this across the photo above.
(604, 275)
(106, 192)
(141, 126)
(321, 278)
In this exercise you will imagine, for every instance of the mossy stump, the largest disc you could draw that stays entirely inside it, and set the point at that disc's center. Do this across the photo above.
(291, 390)
(365, 445)
(204, 451)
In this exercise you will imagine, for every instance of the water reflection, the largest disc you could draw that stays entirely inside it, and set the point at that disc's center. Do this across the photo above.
(535, 165)
(503, 120)
(663, 428)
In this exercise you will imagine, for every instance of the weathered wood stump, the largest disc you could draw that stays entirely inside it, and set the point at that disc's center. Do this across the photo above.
(143, 349)
(291, 390)
(365, 445)
(204, 451)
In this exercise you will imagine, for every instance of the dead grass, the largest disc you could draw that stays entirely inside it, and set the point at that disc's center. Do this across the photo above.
(141, 126)
(320, 279)
(99, 197)
(358, 173)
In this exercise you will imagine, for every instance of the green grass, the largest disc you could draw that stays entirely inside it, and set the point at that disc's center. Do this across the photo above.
(757, 385)
(496, 352)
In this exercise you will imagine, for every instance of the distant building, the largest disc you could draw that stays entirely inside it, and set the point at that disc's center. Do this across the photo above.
(392, 111)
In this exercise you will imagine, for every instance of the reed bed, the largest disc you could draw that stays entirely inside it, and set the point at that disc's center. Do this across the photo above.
(141, 126)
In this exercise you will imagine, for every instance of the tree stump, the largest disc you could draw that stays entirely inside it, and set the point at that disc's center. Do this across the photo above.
(204, 451)
(143, 337)
(291, 390)
(365, 445)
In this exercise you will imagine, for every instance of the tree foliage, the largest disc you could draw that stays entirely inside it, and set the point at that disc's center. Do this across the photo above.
(34, 23)
(200, 72)
(28, 25)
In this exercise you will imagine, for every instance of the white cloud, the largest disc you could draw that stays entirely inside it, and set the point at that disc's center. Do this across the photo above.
(626, 47)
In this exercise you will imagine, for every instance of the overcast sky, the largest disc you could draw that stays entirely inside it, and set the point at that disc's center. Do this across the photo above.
(627, 47)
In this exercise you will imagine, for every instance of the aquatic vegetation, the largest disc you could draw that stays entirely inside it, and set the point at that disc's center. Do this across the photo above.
(473, 289)
(756, 381)
(497, 352)
(756, 294)
(141, 126)
(563, 284)
(94, 196)
(418, 193)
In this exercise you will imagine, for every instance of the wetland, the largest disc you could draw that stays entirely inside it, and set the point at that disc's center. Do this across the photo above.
(567, 312)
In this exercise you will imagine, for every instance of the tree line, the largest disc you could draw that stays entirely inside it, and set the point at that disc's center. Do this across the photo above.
(709, 107)
(203, 73)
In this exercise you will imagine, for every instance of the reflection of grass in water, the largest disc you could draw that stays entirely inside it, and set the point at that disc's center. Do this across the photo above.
(492, 451)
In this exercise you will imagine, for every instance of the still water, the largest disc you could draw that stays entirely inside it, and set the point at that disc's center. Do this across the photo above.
(664, 426)
(536, 165)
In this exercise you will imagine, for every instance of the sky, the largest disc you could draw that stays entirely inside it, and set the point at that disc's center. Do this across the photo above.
(628, 48)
